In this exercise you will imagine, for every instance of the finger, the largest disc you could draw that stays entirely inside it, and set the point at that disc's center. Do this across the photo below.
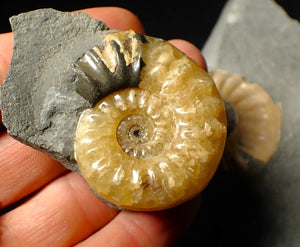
(62, 214)
(191, 50)
(23, 170)
(116, 18)
(2, 128)
(146, 228)
(14, 158)
(6, 47)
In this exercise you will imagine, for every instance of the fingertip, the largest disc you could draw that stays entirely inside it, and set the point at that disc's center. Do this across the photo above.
(190, 50)
(116, 18)
(6, 47)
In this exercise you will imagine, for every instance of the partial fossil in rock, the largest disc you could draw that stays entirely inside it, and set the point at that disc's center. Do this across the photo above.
(255, 132)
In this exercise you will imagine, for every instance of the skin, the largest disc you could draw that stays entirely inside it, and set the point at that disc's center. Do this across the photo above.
(43, 204)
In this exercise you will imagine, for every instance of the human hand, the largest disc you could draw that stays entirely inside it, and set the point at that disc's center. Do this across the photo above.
(43, 204)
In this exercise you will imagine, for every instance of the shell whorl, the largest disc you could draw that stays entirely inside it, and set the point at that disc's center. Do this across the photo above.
(258, 119)
(157, 145)
(113, 65)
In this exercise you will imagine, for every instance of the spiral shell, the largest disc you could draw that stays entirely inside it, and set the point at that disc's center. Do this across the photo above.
(257, 126)
(157, 142)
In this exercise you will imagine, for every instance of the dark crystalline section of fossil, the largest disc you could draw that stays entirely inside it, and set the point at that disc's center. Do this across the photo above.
(116, 64)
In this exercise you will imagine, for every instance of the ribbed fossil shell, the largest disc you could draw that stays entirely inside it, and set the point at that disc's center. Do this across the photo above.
(258, 119)
(158, 141)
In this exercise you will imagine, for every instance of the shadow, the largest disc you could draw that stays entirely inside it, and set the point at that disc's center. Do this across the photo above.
(233, 213)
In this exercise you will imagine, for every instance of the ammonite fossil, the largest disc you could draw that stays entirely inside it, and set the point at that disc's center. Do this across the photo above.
(158, 143)
(255, 121)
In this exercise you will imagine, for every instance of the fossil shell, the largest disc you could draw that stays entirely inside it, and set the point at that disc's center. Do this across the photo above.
(117, 65)
(158, 141)
(258, 120)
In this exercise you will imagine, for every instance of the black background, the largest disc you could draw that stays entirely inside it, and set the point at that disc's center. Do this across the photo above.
(185, 19)
(231, 213)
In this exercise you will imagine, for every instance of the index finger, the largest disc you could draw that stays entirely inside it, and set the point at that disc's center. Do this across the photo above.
(6, 47)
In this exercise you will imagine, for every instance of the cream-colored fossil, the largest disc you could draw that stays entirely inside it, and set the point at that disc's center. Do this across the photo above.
(154, 145)
(256, 131)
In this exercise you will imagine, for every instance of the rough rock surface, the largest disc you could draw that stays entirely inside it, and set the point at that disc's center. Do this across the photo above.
(39, 103)
(256, 38)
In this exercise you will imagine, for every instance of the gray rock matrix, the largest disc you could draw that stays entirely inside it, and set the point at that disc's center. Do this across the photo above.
(39, 102)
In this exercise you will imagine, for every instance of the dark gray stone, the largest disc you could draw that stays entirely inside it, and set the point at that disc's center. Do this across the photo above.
(256, 38)
(39, 103)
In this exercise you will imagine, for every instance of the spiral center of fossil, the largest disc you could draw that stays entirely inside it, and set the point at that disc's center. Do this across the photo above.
(135, 134)
(138, 134)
